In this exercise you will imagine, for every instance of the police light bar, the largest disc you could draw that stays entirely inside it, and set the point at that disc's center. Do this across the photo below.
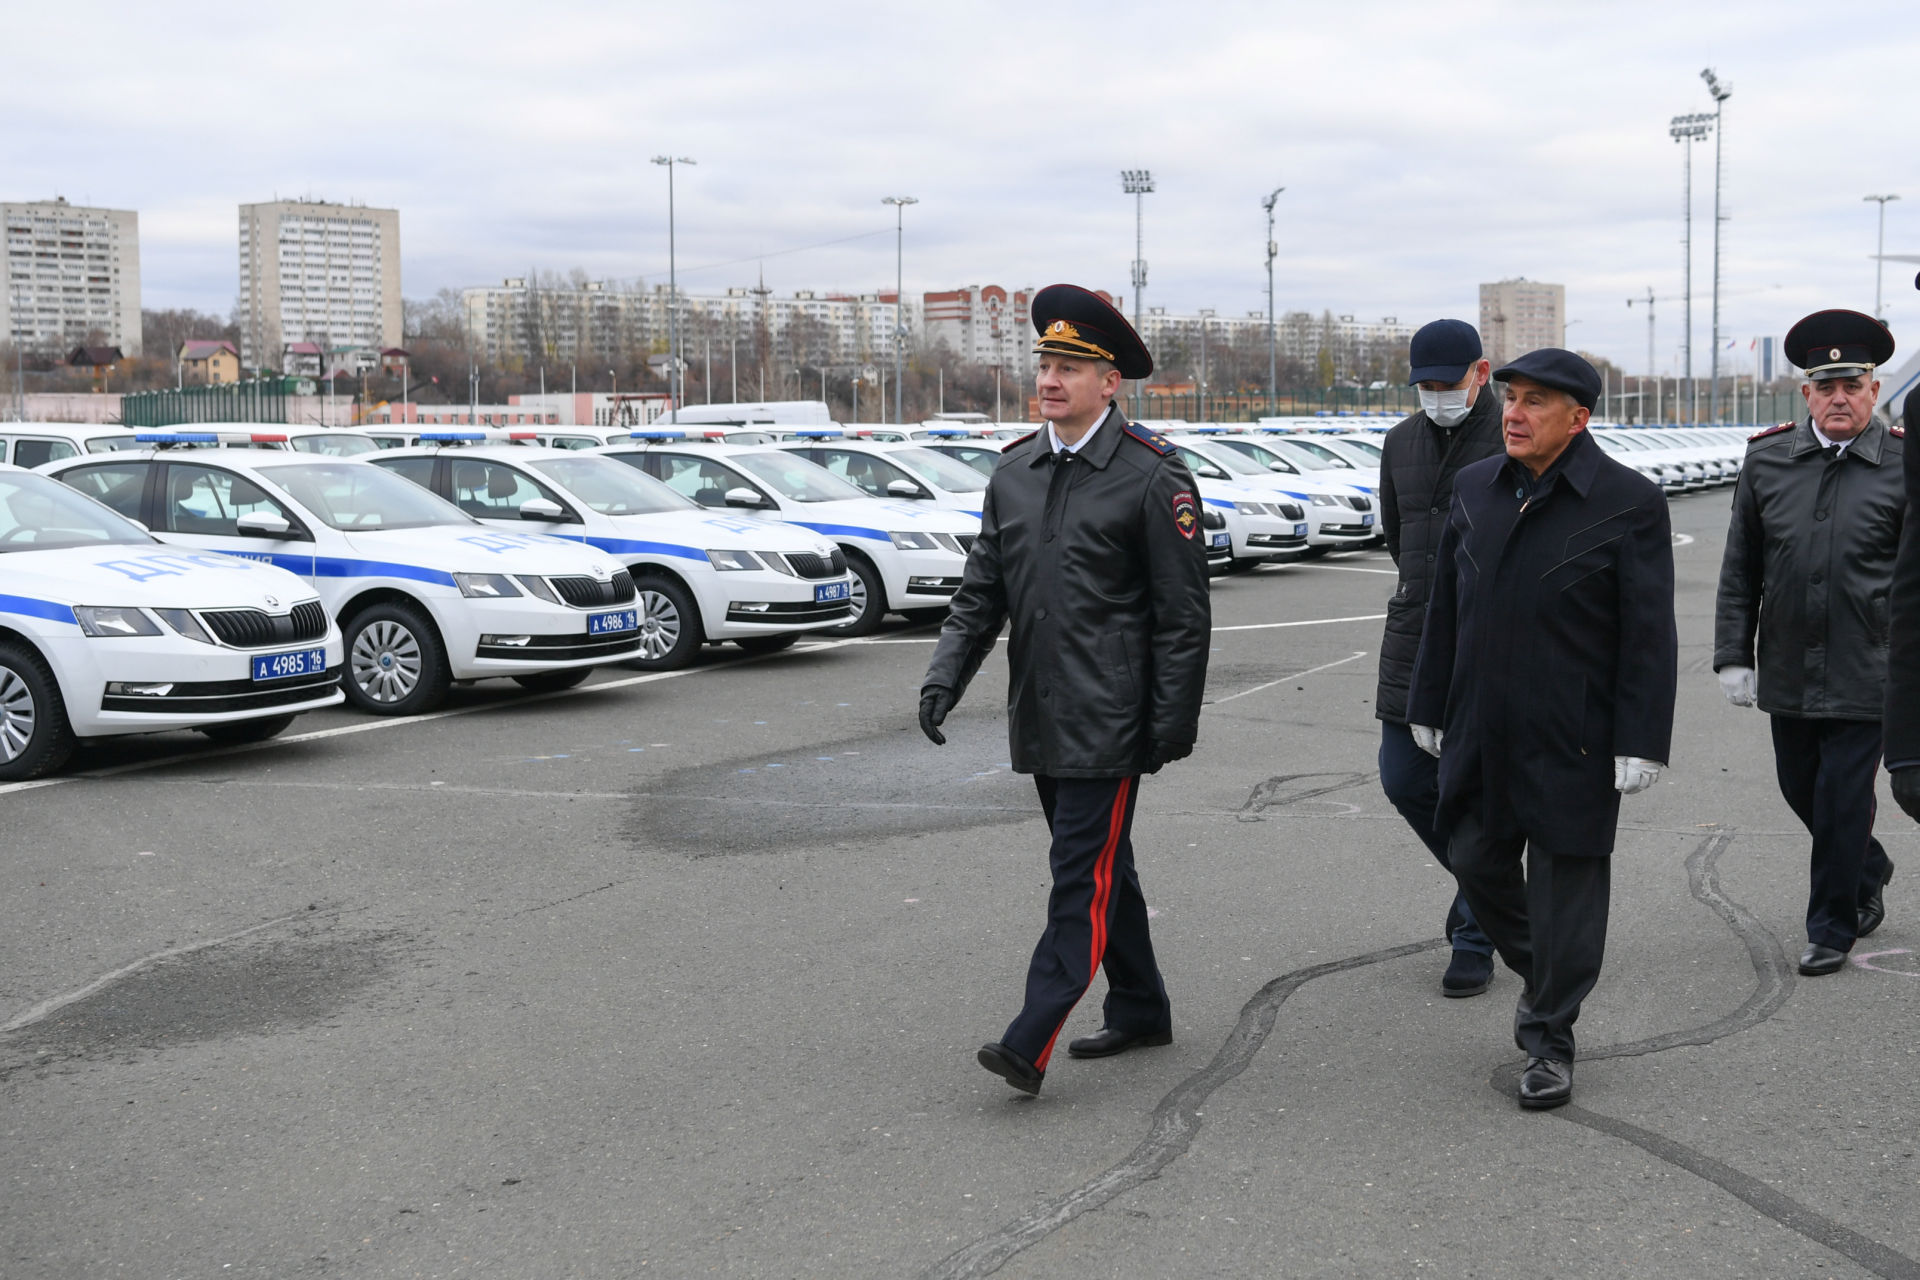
(522, 435)
(1210, 431)
(450, 437)
(824, 434)
(176, 437)
(950, 433)
(657, 435)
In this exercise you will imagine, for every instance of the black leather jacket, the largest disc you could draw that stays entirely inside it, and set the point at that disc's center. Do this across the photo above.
(1099, 561)
(1903, 655)
(1808, 567)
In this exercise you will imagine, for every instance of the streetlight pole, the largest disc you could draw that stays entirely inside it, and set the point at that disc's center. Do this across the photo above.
(1687, 130)
(899, 204)
(1721, 92)
(1880, 248)
(1138, 183)
(1273, 364)
(673, 291)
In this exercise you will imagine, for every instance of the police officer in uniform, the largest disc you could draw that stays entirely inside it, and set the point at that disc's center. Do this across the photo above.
(1808, 570)
(1090, 546)
(1903, 653)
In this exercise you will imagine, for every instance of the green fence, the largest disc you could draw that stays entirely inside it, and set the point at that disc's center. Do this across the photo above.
(262, 400)
(1397, 401)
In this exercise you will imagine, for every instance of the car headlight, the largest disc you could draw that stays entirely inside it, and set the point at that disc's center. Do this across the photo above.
(734, 561)
(913, 541)
(536, 586)
(485, 586)
(183, 621)
(108, 620)
(1325, 500)
(1250, 508)
(778, 563)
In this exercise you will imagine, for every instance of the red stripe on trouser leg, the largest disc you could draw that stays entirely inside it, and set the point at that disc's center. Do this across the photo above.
(1102, 899)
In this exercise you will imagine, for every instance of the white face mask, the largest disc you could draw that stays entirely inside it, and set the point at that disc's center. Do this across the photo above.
(1446, 408)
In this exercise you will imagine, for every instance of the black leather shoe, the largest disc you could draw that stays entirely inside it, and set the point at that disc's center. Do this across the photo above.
(1106, 1042)
(1874, 909)
(1545, 1083)
(1468, 974)
(1817, 961)
(1010, 1066)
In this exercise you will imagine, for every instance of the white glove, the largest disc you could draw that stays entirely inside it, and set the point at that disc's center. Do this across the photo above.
(1632, 775)
(1738, 684)
(1428, 740)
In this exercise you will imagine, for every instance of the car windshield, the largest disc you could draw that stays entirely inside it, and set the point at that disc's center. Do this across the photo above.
(794, 478)
(343, 444)
(1365, 447)
(1229, 458)
(356, 496)
(612, 489)
(1330, 456)
(1305, 459)
(37, 513)
(940, 471)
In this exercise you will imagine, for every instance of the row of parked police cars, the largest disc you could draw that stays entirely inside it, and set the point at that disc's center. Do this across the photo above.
(227, 578)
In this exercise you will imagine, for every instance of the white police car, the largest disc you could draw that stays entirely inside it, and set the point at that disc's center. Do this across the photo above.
(105, 631)
(906, 557)
(702, 576)
(1338, 515)
(893, 470)
(425, 595)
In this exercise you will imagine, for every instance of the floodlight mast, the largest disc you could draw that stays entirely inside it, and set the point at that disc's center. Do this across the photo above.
(1687, 130)
(1879, 254)
(1138, 183)
(1721, 92)
(675, 384)
(899, 204)
(1273, 365)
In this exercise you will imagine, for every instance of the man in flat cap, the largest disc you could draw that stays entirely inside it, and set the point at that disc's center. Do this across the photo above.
(1903, 649)
(1545, 685)
(1807, 573)
(1458, 423)
(1090, 546)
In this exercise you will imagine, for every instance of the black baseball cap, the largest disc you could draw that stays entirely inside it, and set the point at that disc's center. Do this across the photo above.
(1442, 351)
(1557, 368)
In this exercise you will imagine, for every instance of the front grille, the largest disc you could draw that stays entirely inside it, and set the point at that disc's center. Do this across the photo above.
(585, 593)
(1288, 511)
(1356, 502)
(253, 629)
(805, 564)
(211, 697)
(965, 540)
(564, 648)
(1212, 520)
(794, 613)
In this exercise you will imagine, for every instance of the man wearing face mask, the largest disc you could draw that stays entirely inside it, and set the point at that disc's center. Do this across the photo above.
(1458, 423)
(1807, 572)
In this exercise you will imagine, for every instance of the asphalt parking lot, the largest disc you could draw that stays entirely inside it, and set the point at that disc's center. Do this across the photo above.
(684, 977)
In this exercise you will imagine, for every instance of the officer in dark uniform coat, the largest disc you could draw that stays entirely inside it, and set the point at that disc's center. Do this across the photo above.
(1458, 422)
(1903, 653)
(1807, 571)
(1545, 683)
(1090, 546)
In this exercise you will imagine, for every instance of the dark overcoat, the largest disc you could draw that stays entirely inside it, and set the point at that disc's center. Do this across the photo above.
(1098, 561)
(1903, 655)
(1549, 646)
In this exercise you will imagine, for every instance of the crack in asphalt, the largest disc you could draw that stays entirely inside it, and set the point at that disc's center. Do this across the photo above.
(1176, 1120)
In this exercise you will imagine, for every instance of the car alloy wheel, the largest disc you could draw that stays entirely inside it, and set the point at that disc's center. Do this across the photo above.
(660, 625)
(856, 597)
(386, 661)
(18, 716)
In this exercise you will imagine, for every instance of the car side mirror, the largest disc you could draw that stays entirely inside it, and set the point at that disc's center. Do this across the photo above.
(542, 509)
(745, 497)
(1213, 473)
(1281, 467)
(263, 524)
(905, 489)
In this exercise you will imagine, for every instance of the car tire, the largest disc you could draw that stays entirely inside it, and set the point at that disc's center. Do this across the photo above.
(35, 736)
(553, 681)
(767, 644)
(1241, 564)
(670, 630)
(869, 599)
(396, 663)
(236, 732)
(1314, 553)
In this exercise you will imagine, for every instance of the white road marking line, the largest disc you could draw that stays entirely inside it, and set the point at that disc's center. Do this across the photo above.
(370, 725)
(1341, 568)
(1304, 622)
(53, 1004)
(1682, 539)
(1325, 666)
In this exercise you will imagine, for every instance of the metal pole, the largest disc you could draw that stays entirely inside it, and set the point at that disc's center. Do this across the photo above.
(674, 382)
(1880, 249)
(899, 204)
(1273, 363)
(1721, 92)
(1137, 183)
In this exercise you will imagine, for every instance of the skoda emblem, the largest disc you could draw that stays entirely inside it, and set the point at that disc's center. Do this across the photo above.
(599, 570)
(273, 602)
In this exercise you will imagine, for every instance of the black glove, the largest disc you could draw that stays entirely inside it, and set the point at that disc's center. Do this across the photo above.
(1906, 789)
(935, 701)
(1165, 753)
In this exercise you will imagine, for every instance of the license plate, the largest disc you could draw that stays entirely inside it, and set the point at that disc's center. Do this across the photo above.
(1299, 531)
(283, 666)
(1367, 521)
(1220, 540)
(830, 591)
(606, 624)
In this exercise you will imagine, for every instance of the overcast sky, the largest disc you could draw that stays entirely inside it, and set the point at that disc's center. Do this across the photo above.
(1424, 147)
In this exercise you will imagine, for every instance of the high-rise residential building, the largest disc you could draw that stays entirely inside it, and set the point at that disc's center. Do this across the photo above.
(316, 272)
(1521, 315)
(71, 276)
(984, 324)
(522, 322)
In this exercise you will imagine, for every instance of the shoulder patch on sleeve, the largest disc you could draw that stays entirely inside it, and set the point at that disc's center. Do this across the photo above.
(1153, 440)
(1772, 431)
(1186, 514)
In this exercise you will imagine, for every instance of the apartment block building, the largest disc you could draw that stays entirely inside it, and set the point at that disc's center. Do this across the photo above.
(984, 324)
(1521, 315)
(523, 322)
(316, 272)
(71, 276)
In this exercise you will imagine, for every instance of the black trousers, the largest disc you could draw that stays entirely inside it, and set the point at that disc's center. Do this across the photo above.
(1826, 770)
(1549, 924)
(1096, 916)
(1411, 779)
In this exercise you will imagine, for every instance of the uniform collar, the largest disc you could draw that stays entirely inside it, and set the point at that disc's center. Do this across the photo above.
(1096, 447)
(1579, 462)
(1866, 446)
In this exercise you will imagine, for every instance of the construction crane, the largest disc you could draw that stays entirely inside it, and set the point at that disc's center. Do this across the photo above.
(1648, 302)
